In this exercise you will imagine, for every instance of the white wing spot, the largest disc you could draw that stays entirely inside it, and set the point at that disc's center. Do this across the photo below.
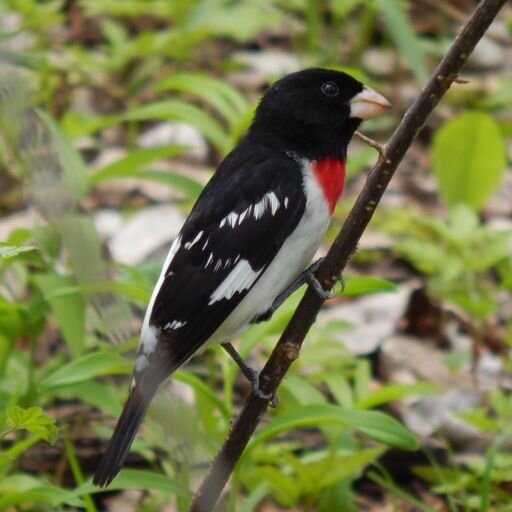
(286, 202)
(241, 217)
(217, 265)
(240, 278)
(269, 200)
(189, 245)
(209, 260)
(174, 325)
(206, 243)
(274, 202)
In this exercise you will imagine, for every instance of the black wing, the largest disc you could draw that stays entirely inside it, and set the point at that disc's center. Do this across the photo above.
(245, 213)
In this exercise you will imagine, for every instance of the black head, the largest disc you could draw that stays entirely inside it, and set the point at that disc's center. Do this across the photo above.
(314, 112)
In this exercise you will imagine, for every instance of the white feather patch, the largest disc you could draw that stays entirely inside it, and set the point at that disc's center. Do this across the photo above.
(189, 245)
(149, 333)
(268, 201)
(240, 278)
(174, 325)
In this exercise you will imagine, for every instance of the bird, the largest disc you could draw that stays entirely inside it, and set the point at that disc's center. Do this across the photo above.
(249, 238)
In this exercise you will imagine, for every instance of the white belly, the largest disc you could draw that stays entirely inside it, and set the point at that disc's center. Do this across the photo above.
(293, 257)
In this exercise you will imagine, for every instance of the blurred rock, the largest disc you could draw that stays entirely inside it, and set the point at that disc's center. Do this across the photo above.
(430, 415)
(406, 360)
(145, 232)
(174, 132)
(107, 223)
(379, 62)
(487, 55)
(262, 65)
(373, 319)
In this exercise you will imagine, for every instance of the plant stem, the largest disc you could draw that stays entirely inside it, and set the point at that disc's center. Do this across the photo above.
(288, 346)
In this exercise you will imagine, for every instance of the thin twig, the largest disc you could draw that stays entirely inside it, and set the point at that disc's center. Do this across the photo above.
(372, 143)
(288, 347)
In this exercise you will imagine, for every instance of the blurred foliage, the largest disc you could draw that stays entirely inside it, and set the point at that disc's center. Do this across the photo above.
(79, 74)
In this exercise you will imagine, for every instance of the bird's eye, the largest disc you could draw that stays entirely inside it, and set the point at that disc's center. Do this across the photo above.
(330, 89)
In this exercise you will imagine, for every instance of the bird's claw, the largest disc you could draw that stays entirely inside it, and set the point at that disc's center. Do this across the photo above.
(323, 294)
(255, 386)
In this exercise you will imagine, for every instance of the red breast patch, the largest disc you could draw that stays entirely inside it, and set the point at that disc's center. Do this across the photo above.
(330, 175)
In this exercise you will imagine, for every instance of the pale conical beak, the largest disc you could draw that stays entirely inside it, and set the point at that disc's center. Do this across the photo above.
(368, 104)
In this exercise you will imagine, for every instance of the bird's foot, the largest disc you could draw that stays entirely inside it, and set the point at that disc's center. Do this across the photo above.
(315, 284)
(254, 379)
(252, 375)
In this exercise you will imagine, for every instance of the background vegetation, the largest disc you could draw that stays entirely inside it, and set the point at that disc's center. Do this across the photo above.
(112, 117)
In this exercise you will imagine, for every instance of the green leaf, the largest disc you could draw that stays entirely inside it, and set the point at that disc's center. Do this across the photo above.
(134, 162)
(68, 306)
(190, 188)
(33, 420)
(376, 425)
(73, 167)
(200, 387)
(224, 98)
(302, 390)
(402, 34)
(392, 392)
(10, 251)
(85, 368)
(182, 111)
(469, 159)
(137, 479)
(364, 285)
(238, 20)
(342, 466)
(51, 494)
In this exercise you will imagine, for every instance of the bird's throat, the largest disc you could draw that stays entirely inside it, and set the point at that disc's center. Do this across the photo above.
(330, 175)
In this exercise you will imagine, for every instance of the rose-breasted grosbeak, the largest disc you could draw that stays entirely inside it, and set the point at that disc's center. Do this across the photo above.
(251, 234)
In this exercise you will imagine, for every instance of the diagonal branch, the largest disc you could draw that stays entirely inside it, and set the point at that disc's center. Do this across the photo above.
(289, 345)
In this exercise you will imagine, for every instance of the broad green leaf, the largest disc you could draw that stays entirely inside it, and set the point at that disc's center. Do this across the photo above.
(223, 97)
(401, 32)
(390, 392)
(11, 322)
(364, 285)
(137, 479)
(10, 251)
(68, 306)
(200, 387)
(344, 465)
(190, 188)
(73, 168)
(85, 368)
(187, 113)
(376, 425)
(134, 291)
(33, 420)
(469, 159)
(238, 20)
(302, 390)
(133, 162)
(11, 454)
(51, 494)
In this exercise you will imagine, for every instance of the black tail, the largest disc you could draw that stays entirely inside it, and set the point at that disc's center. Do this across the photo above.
(133, 413)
